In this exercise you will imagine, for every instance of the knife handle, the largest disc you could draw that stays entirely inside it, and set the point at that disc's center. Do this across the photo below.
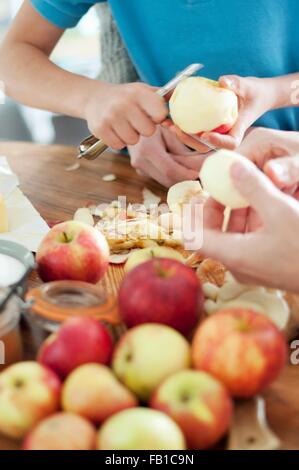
(250, 430)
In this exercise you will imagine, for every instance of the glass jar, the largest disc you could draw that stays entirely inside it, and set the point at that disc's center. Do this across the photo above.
(11, 350)
(51, 304)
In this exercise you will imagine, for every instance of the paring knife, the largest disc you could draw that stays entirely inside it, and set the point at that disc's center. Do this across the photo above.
(91, 147)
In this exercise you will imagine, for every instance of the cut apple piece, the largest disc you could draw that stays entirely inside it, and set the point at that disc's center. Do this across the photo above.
(149, 198)
(216, 179)
(210, 290)
(232, 294)
(84, 215)
(141, 256)
(4, 227)
(182, 193)
(202, 105)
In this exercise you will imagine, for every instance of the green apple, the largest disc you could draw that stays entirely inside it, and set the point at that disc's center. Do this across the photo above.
(140, 429)
(141, 256)
(148, 354)
(198, 403)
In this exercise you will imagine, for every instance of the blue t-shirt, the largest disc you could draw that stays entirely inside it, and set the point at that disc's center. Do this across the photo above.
(244, 37)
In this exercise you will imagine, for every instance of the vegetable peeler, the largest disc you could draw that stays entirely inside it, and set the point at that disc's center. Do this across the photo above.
(91, 147)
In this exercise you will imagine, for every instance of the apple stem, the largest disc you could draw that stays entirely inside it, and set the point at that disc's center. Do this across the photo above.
(65, 237)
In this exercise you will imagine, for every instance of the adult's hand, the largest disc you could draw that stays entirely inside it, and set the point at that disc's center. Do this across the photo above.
(256, 97)
(268, 256)
(164, 158)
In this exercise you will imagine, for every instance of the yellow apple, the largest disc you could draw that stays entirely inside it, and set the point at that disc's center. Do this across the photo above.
(148, 354)
(140, 429)
(202, 105)
(216, 179)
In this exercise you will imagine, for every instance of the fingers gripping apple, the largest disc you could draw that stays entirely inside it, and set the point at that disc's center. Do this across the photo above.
(202, 105)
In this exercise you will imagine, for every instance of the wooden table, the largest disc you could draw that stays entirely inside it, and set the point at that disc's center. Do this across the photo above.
(57, 193)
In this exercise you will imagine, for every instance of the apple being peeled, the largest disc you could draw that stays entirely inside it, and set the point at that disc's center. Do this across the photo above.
(79, 340)
(73, 250)
(28, 393)
(161, 291)
(62, 431)
(140, 429)
(93, 392)
(198, 403)
(243, 349)
(148, 354)
(201, 105)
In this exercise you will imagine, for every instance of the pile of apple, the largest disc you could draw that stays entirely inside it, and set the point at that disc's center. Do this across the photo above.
(167, 384)
(154, 389)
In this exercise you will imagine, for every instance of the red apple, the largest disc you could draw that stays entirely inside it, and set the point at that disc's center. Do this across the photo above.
(28, 393)
(73, 250)
(80, 340)
(243, 349)
(93, 392)
(62, 431)
(161, 291)
(198, 403)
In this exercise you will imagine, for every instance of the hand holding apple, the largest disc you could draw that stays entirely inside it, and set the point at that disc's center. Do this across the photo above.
(201, 105)
(73, 250)
(28, 393)
(62, 431)
(241, 348)
(79, 340)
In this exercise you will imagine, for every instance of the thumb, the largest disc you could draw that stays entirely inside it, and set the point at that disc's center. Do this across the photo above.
(257, 190)
(234, 83)
(284, 172)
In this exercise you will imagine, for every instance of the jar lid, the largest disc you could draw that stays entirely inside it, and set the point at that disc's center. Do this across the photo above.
(56, 301)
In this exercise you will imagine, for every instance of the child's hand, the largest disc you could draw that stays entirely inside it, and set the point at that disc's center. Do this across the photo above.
(255, 99)
(120, 114)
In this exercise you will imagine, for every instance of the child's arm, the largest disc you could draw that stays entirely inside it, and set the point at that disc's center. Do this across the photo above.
(117, 113)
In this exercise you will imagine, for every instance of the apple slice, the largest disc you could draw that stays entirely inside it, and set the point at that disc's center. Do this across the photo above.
(232, 294)
(182, 193)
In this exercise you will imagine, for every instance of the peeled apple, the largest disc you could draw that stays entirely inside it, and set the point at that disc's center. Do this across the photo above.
(216, 179)
(202, 105)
